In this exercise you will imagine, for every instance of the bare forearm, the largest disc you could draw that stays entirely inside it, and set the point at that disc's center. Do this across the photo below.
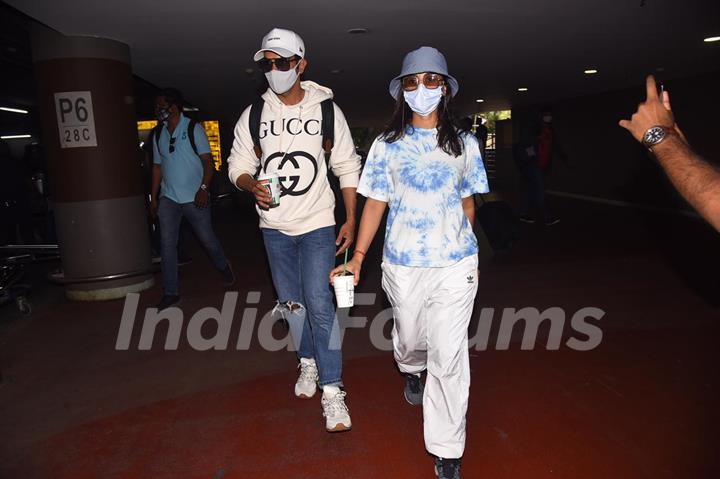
(696, 180)
(208, 168)
(468, 205)
(245, 182)
(350, 202)
(369, 223)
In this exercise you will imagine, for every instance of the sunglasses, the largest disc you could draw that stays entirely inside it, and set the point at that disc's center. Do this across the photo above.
(172, 145)
(283, 64)
(430, 80)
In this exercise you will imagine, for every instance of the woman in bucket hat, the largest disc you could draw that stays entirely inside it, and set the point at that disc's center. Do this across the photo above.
(426, 171)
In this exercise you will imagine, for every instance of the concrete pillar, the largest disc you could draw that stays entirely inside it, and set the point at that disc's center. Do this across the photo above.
(85, 94)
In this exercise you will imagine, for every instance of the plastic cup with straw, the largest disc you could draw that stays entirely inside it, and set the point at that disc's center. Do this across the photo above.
(344, 287)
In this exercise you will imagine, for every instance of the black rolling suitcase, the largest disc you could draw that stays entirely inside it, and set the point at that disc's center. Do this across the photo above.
(498, 221)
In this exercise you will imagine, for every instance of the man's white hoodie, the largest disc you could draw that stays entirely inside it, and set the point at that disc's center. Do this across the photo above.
(291, 142)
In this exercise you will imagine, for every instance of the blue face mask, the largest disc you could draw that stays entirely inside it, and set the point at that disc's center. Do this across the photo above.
(422, 100)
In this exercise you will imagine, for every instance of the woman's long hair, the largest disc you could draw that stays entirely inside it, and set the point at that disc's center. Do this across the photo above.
(448, 136)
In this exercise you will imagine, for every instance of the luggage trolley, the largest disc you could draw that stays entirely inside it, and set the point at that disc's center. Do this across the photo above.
(13, 259)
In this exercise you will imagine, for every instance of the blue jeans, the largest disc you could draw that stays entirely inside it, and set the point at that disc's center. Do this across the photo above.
(300, 266)
(170, 214)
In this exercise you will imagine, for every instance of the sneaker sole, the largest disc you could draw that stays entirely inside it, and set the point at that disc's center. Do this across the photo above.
(339, 428)
(304, 396)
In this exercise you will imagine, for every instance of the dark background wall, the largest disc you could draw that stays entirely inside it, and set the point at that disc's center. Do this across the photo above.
(603, 160)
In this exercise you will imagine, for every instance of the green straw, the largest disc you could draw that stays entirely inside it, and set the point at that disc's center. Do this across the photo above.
(345, 264)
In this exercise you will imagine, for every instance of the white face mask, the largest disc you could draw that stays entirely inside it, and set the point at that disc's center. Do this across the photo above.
(281, 82)
(423, 101)
(163, 114)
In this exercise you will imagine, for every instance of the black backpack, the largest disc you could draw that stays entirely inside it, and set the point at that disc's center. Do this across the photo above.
(328, 126)
(155, 134)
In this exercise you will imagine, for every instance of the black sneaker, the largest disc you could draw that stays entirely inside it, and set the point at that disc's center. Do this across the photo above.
(228, 275)
(167, 301)
(447, 468)
(414, 389)
(527, 219)
(552, 221)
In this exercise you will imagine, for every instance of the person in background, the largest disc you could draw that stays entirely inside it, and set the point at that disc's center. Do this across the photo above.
(532, 154)
(426, 171)
(180, 189)
(481, 133)
(698, 181)
(146, 167)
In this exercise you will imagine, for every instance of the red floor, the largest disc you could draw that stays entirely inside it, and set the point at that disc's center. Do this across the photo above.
(642, 404)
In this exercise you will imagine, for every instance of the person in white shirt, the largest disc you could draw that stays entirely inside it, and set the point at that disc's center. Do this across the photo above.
(427, 171)
(299, 233)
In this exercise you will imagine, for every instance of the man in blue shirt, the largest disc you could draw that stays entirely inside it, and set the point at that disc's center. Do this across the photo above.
(181, 175)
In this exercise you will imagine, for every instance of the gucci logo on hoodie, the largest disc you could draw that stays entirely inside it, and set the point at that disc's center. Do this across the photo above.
(292, 126)
(290, 167)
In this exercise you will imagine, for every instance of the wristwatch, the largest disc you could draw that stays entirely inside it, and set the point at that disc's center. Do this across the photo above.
(655, 135)
(203, 187)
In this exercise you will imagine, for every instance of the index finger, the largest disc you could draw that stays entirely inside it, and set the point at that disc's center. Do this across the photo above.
(346, 244)
(651, 88)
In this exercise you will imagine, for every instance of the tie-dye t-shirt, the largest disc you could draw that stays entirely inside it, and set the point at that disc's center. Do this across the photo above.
(424, 186)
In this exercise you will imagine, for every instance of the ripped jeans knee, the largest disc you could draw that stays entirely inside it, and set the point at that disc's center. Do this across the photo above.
(285, 309)
(293, 315)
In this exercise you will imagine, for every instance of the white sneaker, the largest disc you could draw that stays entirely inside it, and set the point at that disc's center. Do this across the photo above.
(337, 416)
(306, 384)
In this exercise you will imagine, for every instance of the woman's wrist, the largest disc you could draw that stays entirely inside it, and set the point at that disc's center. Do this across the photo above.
(359, 255)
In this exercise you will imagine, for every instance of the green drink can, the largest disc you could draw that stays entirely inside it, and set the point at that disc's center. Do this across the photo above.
(271, 182)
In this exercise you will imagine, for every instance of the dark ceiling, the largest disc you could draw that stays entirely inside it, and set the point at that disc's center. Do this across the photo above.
(493, 47)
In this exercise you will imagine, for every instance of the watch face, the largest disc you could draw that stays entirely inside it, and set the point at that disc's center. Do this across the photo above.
(654, 136)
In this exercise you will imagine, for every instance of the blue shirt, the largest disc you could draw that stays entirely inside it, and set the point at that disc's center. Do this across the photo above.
(424, 188)
(182, 170)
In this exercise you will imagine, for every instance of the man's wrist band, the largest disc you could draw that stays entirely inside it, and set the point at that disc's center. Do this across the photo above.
(360, 252)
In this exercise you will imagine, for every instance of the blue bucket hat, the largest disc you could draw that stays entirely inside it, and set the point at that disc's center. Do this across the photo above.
(424, 59)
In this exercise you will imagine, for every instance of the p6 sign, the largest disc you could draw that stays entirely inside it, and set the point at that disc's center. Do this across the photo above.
(76, 123)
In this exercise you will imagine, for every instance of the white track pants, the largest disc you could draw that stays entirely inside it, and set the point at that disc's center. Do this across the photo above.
(432, 309)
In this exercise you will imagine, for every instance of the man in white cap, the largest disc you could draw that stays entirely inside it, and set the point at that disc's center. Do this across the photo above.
(285, 133)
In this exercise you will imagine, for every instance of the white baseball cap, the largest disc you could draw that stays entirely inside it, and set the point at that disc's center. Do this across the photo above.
(285, 43)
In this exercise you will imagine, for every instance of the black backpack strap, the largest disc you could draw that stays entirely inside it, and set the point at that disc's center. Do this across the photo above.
(254, 124)
(328, 126)
(155, 134)
(191, 135)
